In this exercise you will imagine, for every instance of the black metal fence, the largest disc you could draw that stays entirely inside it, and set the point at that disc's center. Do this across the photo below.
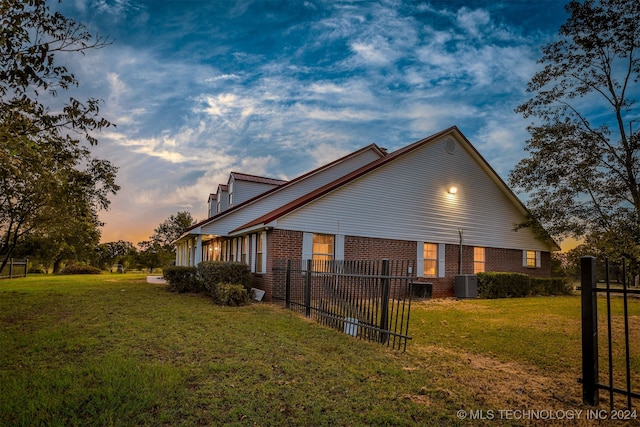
(15, 268)
(616, 350)
(367, 299)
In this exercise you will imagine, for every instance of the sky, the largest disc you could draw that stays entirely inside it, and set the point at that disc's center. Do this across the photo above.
(200, 88)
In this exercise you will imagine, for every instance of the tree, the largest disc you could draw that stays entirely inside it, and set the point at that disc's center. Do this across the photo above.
(46, 165)
(152, 255)
(172, 228)
(159, 251)
(111, 253)
(59, 242)
(584, 153)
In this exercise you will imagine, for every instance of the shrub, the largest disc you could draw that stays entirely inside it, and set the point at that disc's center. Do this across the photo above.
(551, 286)
(182, 279)
(214, 272)
(507, 285)
(503, 285)
(80, 269)
(230, 294)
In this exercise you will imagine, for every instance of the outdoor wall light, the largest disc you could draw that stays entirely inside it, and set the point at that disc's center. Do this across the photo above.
(453, 190)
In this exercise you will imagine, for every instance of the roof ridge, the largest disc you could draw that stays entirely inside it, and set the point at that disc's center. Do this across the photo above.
(276, 213)
(372, 146)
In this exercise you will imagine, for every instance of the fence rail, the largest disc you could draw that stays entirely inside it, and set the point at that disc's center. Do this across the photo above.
(15, 268)
(590, 345)
(367, 299)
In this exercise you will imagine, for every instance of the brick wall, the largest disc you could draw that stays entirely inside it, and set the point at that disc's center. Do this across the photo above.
(356, 248)
(285, 244)
(281, 245)
(510, 260)
(367, 248)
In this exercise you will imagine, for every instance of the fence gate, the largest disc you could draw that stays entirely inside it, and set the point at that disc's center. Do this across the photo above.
(367, 299)
(620, 382)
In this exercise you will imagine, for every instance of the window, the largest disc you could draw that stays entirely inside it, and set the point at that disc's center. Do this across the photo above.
(244, 243)
(322, 247)
(234, 244)
(430, 259)
(478, 260)
(531, 259)
(259, 253)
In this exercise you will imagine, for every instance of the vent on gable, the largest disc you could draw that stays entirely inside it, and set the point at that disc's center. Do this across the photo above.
(449, 145)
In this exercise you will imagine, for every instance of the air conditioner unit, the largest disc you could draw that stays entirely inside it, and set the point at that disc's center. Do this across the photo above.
(466, 286)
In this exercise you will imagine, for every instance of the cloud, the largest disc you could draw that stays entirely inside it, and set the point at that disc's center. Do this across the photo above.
(199, 89)
(473, 22)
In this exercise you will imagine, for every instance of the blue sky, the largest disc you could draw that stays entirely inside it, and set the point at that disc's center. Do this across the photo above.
(198, 89)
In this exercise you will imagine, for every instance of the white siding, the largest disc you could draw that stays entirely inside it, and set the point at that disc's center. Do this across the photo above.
(223, 225)
(417, 206)
(245, 190)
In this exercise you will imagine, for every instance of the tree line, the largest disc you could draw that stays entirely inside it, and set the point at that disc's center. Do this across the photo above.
(47, 256)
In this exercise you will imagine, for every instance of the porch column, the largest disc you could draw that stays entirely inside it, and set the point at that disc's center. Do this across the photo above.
(198, 250)
(192, 253)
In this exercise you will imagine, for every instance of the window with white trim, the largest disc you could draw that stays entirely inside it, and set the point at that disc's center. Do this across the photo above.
(531, 259)
(224, 253)
(319, 248)
(234, 247)
(259, 252)
(479, 260)
(244, 249)
(322, 247)
(430, 251)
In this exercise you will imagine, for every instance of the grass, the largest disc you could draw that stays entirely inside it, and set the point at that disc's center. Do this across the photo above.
(112, 350)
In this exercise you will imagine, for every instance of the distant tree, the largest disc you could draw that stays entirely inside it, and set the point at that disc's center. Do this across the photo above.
(111, 253)
(46, 166)
(582, 172)
(152, 255)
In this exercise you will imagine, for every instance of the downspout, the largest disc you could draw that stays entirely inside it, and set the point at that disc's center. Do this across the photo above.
(460, 232)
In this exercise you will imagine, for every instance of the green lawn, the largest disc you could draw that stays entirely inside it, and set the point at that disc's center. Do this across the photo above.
(114, 350)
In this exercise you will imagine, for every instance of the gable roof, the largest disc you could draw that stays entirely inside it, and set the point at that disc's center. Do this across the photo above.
(380, 151)
(285, 209)
(346, 179)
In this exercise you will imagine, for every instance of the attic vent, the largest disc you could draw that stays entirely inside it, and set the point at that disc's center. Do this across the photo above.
(449, 146)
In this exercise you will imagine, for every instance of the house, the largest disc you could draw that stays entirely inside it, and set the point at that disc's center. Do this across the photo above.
(436, 201)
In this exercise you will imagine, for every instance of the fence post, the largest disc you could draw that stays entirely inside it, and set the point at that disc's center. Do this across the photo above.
(26, 266)
(287, 286)
(307, 289)
(11, 268)
(385, 283)
(589, 331)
